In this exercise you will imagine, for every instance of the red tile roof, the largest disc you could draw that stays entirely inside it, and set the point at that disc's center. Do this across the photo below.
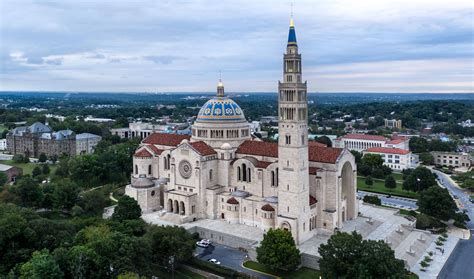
(324, 154)
(313, 170)
(268, 207)
(258, 148)
(365, 137)
(263, 164)
(315, 143)
(165, 139)
(155, 149)
(312, 200)
(232, 200)
(202, 148)
(270, 149)
(396, 141)
(388, 150)
(142, 153)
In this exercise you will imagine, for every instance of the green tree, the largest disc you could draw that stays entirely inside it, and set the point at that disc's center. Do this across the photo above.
(369, 181)
(372, 160)
(94, 202)
(378, 173)
(419, 179)
(45, 169)
(36, 171)
(83, 262)
(41, 265)
(65, 194)
(170, 241)
(426, 158)
(42, 158)
(324, 140)
(28, 190)
(357, 155)
(390, 182)
(127, 209)
(3, 179)
(278, 250)
(437, 202)
(348, 256)
(418, 144)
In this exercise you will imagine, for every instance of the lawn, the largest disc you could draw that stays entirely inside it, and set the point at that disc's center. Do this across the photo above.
(302, 273)
(379, 187)
(27, 167)
(398, 176)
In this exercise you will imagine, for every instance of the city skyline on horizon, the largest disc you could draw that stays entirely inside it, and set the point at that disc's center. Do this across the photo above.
(379, 47)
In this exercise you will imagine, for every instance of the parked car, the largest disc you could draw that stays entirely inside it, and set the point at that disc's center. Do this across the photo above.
(203, 243)
(456, 197)
(214, 261)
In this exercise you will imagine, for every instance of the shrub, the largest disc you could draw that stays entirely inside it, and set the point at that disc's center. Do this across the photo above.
(372, 200)
(424, 264)
(369, 181)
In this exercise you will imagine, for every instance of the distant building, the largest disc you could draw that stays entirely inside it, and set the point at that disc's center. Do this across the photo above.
(139, 130)
(395, 158)
(11, 172)
(393, 123)
(452, 159)
(467, 123)
(86, 143)
(98, 120)
(3, 144)
(361, 142)
(39, 138)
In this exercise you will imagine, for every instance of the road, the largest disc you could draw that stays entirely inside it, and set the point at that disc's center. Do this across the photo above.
(393, 201)
(229, 257)
(460, 263)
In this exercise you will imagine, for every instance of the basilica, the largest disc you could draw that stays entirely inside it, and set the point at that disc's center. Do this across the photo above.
(222, 172)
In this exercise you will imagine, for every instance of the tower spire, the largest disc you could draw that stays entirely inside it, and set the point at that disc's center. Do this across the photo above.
(220, 87)
(292, 34)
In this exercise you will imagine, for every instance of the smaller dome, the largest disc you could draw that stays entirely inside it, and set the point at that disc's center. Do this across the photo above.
(271, 199)
(232, 200)
(226, 146)
(268, 207)
(240, 194)
(142, 182)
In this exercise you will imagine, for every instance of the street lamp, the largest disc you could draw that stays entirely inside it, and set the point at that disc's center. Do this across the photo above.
(171, 262)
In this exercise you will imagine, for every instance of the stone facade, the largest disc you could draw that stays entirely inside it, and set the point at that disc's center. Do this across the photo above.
(220, 172)
(39, 138)
(452, 159)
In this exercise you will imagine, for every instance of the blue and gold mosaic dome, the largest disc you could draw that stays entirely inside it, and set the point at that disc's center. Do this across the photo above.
(221, 109)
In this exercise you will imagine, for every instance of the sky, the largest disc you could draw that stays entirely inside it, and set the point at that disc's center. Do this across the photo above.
(182, 45)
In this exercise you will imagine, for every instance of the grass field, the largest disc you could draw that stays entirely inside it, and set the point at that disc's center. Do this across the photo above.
(27, 167)
(379, 187)
(398, 176)
(302, 273)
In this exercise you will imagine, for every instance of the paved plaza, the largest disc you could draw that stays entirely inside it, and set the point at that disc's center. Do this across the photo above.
(375, 223)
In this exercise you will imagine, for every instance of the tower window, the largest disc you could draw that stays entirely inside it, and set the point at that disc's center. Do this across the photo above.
(288, 139)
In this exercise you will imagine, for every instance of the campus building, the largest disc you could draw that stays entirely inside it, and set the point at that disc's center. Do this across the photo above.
(221, 172)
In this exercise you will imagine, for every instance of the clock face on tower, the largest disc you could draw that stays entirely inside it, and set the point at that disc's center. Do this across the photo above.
(185, 169)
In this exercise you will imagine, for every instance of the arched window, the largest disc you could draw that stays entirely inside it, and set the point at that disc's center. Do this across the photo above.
(273, 178)
(149, 169)
(165, 162)
(244, 172)
(168, 161)
(276, 177)
(136, 169)
(249, 175)
(210, 175)
(239, 175)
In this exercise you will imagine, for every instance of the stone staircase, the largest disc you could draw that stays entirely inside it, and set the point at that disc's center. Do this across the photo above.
(172, 218)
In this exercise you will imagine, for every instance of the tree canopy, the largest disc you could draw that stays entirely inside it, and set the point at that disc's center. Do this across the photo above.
(278, 250)
(437, 202)
(127, 209)
(419, 179)
(348, 256)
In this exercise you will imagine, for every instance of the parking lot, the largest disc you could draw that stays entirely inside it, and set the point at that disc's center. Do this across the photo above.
(229, 257)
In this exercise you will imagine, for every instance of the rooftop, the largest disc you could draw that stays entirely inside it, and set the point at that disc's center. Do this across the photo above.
(388, 150)
(165, 139)
(365, 137)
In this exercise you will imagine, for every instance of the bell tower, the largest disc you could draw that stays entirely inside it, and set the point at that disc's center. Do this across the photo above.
(293, 193)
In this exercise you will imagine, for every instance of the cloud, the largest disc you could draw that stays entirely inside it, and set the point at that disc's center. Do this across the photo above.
(182, 45)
